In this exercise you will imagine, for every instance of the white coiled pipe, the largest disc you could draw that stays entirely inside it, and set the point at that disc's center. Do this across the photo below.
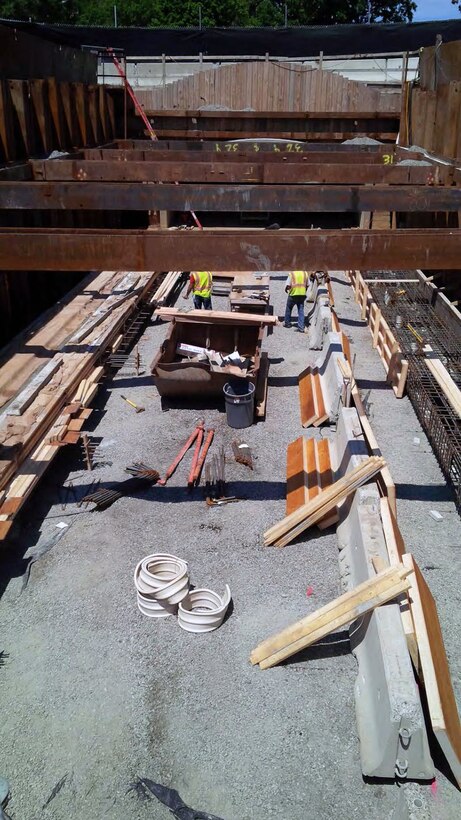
(162, 582)
(203, 610)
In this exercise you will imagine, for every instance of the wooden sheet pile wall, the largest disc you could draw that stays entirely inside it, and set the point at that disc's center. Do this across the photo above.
(41, 115)
(431, 111)
(268, 86)
(431, 119)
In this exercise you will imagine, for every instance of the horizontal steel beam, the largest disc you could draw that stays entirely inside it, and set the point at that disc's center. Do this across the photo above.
(233, 152)
(357, 174)
(126, 196)
(263, 144)
(239, 133)
(234, 249)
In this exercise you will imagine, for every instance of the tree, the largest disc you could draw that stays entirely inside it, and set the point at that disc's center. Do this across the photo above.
(43, 11)
(330, 12)
(187, 13)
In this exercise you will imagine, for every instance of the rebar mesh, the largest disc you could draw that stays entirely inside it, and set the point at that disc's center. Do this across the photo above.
(414, 322)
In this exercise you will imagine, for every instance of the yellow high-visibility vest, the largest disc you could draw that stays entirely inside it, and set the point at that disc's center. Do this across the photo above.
(203, 282)
(298, 280)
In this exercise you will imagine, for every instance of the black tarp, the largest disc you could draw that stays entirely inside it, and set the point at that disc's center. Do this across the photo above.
(302, 41)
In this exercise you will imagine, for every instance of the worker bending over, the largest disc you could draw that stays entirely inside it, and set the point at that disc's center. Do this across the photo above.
(296, 287)
(201, 284)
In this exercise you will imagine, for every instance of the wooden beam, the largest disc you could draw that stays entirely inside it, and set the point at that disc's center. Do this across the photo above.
(95, 249)
(216, 316)
(126, 196)
(435, 670)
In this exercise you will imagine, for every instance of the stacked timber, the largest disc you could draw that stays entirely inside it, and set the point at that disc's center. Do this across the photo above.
(51, 402)
(166, 288)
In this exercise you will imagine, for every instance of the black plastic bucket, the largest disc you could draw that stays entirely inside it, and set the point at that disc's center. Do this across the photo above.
(240, 402)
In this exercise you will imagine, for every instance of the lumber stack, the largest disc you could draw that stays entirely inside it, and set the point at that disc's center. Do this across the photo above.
(309, 471)
(29, 441)
(322, 504)
(385, 586)
(166, 288)
(49, 333)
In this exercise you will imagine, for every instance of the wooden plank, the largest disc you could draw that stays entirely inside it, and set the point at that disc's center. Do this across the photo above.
(56, 110)
(320, 411)
(306, 398)
(440, 373)
(396, 550)
(325, 478)
(25, 398)
(262, 386)
(310, 468)
(76, 424)
(435, 671)
(41, 106)
(215, 316)
(296, 479)
(373, 592)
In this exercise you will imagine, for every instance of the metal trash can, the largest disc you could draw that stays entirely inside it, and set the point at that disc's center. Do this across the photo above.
(240, 402)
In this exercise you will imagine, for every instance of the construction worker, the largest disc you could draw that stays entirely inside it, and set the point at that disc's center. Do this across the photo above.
(201, 284)
(296, 287)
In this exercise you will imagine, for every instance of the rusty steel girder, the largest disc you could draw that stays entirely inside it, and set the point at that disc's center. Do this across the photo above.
(125, 196)
(233, 172)
(234, 249)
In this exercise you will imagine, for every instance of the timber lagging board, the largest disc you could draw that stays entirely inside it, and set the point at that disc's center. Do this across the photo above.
(309, 470)
(441, 700)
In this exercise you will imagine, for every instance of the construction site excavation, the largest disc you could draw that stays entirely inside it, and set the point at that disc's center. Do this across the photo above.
(230, 403)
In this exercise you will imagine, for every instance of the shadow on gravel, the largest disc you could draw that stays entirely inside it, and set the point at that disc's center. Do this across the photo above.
(331, 646)
(371, 384)
(425, 492)
(352, 322)
(282, 381)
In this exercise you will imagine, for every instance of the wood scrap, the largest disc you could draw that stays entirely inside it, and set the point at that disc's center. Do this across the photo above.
(373, 592)
(25, 398)
(435, 672)
(262, 386)
(309, 514)
(242, 453)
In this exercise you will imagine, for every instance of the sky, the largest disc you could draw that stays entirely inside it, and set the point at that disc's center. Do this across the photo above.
(436, 10)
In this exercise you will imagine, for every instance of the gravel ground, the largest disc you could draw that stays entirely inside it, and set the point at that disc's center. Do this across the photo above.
(97, 694)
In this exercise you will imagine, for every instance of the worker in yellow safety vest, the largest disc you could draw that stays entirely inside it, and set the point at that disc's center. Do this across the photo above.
(296, 287)
(201, 285)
